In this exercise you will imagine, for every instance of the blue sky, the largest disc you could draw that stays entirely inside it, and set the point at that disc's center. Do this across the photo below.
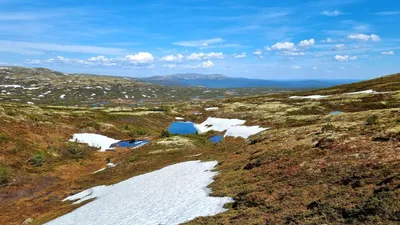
(271, 39)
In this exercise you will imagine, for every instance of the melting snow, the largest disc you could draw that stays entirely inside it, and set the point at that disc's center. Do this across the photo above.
(94, 140)
(218, 124)
(211, 108)
(172, 195)
(310, 96)
(109, 165)
(11, 86)
(362, 92)
(233, 127)
(243, 131)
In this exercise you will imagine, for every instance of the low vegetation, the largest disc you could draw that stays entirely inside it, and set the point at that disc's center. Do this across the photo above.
(310, 167)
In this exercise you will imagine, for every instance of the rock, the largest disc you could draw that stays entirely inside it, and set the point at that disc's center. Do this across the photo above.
(27, 221)
(323, 143)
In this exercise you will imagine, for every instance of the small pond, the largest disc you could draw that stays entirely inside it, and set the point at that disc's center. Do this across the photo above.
(130, 143)
(182, 128)
(216, 139)
(335, 113)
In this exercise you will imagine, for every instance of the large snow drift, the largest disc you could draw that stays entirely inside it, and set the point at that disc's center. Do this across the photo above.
(172, 195)
(233, 127)
(94, 140)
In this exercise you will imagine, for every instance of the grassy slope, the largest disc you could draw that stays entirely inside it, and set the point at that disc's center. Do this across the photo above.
(309, 168)
(382, 84)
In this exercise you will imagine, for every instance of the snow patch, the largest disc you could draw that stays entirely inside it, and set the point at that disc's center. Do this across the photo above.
(362, 92)
(243, 131)
(62, 96)
(94, 140)
(233, 127)
(211, 109)
(109, 165)
(11, 86)
(309, 97)
(172, 195)
(179, 118)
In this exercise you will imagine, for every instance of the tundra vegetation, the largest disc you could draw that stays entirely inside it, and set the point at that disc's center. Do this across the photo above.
(310, 167)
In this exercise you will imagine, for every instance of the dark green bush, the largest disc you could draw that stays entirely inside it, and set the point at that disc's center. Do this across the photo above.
(4, 138)
(77, 150)
(372, 120)
(165, 133)
(38, 159)
(5, 175)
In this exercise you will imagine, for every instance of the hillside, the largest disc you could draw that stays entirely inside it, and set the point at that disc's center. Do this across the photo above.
(311, 166)
(381, 84)
(44, 86)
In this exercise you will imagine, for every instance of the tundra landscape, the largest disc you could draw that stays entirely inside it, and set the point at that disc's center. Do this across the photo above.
(199, 112)
(324, 156)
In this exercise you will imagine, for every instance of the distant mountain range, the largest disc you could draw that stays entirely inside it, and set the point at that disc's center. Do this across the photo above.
(222, 81)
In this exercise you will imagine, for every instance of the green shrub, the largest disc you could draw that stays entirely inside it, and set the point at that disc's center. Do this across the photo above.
(372, 120)
(132, 132)
(165, 133)
(77, 150)
(5, 175)
(4, 138)
(132, 158)
(38, 159)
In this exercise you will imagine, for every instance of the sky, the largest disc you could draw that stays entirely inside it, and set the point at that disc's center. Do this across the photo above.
(270, 39)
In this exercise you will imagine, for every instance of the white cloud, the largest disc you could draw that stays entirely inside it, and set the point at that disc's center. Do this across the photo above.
(237, 56)
(331, 13)
(257, 52)
(31, 48)
(388, 53)
(290, 53)
(295, 67)
(169, 66)
(282, 46)
(204, 56)
(345, 57)
(340, 47)
(306, 43)
(375, 37)
(207, 64)
(330, 40)
(203, 65)
(172, 58)
(199, 43)
(364, 37)
(314, 68)
(141, 57)
(99, 58)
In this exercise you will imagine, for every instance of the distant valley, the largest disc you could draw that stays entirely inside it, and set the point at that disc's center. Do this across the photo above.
(222, 81)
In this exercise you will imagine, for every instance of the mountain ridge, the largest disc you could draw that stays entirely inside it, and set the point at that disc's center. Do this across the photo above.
(223, 81)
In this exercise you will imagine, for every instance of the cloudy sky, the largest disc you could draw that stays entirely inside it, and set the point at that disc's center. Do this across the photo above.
(291, 39)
